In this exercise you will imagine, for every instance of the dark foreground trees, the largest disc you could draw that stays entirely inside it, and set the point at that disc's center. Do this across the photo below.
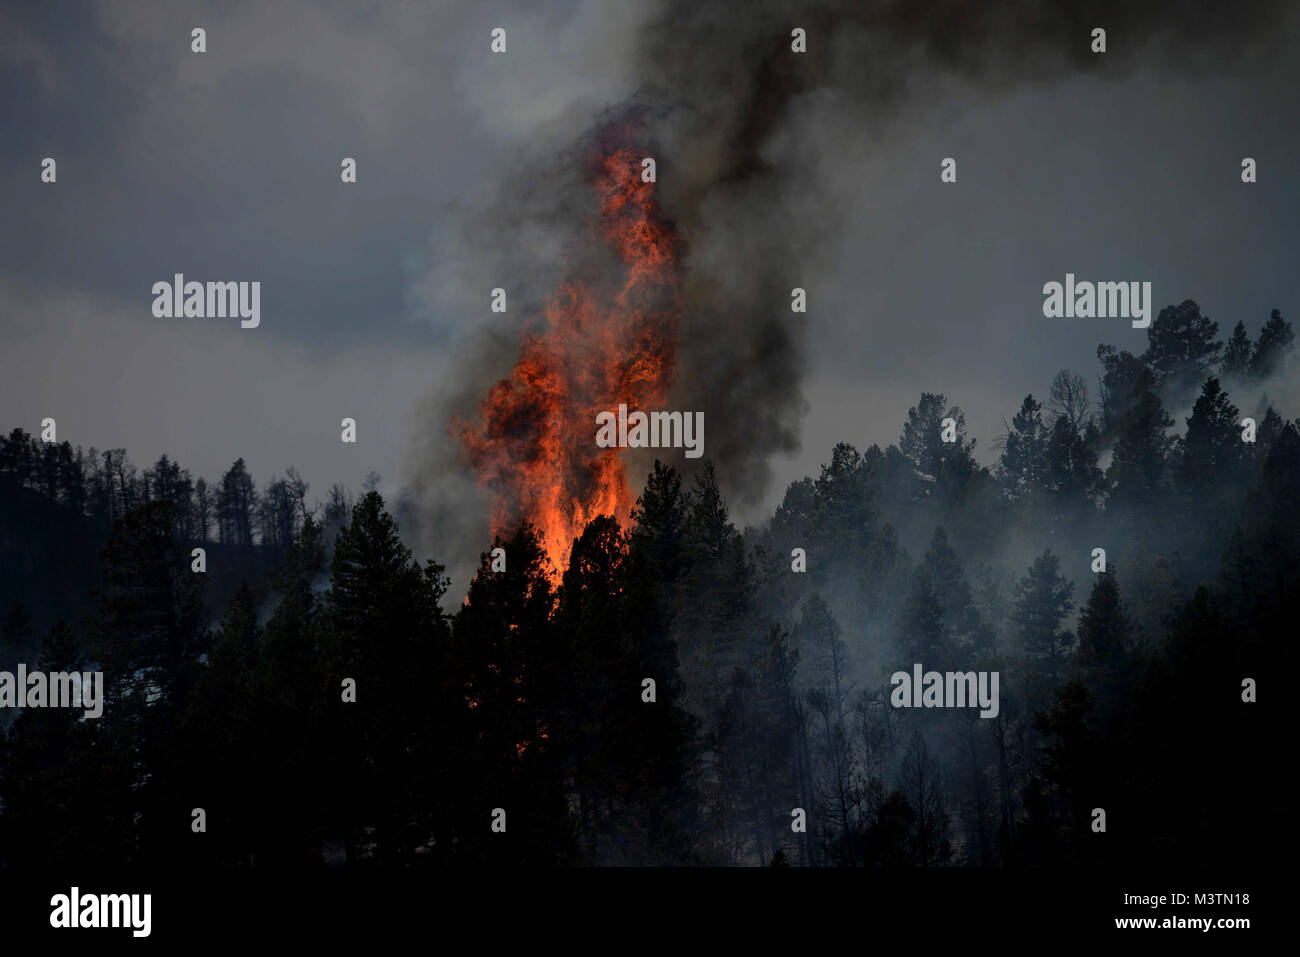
(685, 692)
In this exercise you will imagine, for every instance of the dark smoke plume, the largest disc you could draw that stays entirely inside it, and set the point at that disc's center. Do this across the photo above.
(722, 105)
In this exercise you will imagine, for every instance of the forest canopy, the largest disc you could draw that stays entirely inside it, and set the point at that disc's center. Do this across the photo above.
(768, 693)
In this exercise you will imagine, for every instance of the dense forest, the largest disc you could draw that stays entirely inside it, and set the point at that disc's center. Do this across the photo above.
(1119, 690)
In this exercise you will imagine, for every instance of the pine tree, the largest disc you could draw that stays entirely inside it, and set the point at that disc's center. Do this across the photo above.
(1138, 470)
(943, 466)
(1273, 348)
(930, 843)
(605, 686)
(152, 627)
(1125, 377)
(923, 633)
(1236, 355)
(844, 516)
(1068, 781)
(1042, 603)
(221, 727)
(821, 646)
(659, 525)
(629, 758)
(714, 594)
(782, 726)
(383, 630)
(236, 506)
(1212, 448)
(887, 839)
(51, 807)
(842, 793)
(512, 664)
(965, 629)
(294, 694)
(1024, 457)
(793, 520)
(1183, 347)
(1070, 473)
(1105, 636)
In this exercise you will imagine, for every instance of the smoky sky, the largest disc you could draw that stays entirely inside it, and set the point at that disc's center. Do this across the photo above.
(818, 170)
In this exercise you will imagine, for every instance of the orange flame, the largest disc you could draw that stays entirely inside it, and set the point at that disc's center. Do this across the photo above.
(597, 345)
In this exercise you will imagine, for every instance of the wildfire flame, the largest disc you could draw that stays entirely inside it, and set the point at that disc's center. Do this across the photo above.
(596, 345)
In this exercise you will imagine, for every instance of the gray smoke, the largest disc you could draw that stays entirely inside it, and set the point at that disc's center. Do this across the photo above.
(748, 138)
(749, 190)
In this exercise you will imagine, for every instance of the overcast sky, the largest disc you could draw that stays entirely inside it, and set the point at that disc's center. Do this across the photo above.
(225, 166)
